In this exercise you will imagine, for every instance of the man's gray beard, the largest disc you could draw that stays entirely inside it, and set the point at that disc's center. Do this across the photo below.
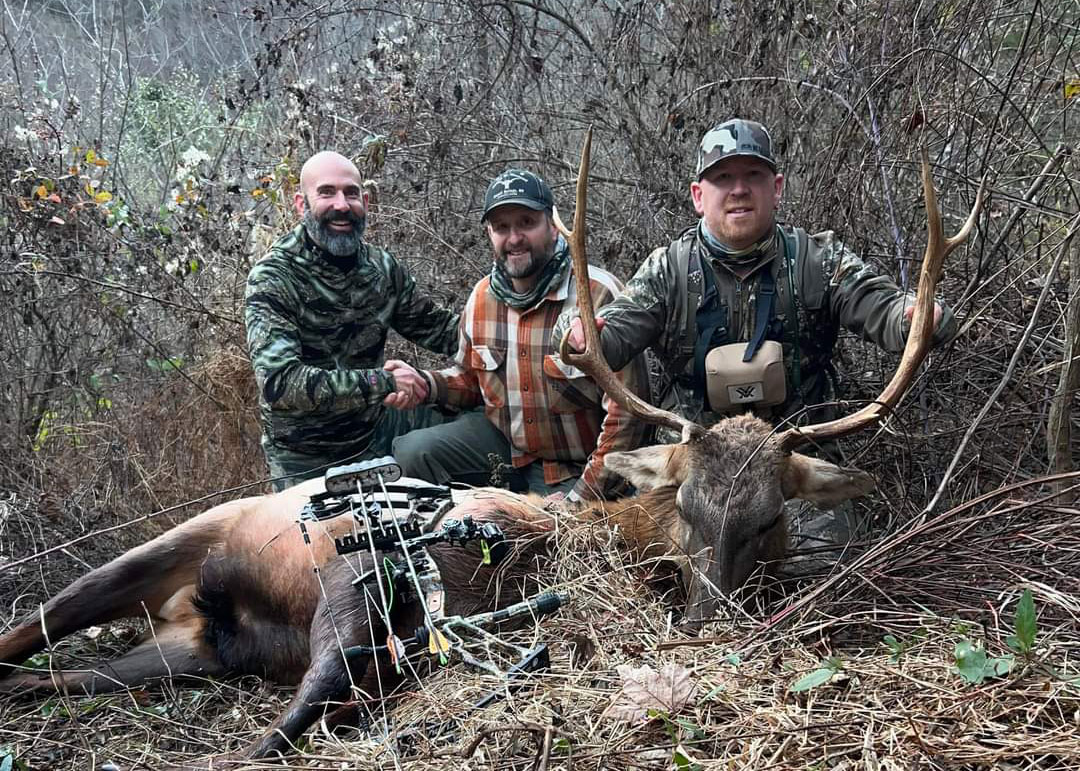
(338, 244)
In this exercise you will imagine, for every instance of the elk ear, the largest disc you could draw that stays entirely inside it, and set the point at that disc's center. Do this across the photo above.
(650, 467)
(821, 482)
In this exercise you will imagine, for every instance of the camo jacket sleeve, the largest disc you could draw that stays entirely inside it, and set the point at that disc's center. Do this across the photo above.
(418, 318)
(864, 301)
(272, 311)
(645, 314)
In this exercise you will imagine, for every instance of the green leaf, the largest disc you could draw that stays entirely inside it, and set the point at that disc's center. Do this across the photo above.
(970, 661)
(45, 426)
(561, 745)
(733, 659)
(813, 679)
(39, 660)
(166, 366)
(1002, 666)
(683, 763)
(961, 627)
(670, 728)
(693, 730)
(372, 139)
(974, 665)
(895, 646)
(713, 692)
(1025, 624)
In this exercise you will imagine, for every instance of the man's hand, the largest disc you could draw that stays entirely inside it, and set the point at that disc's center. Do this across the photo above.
(909, 311)
(577, 333)
(411, 387)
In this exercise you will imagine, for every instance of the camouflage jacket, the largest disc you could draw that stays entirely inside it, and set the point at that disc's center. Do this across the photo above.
(316, 328)
(823, 288)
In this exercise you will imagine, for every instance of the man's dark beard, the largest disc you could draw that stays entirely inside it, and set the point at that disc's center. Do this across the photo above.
(338, 244)
(538, 259)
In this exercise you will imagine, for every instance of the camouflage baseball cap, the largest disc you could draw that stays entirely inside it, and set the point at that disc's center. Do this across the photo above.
(520, 187)
(734, 137)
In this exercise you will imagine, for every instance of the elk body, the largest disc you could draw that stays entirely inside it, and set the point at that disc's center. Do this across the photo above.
(233, 589)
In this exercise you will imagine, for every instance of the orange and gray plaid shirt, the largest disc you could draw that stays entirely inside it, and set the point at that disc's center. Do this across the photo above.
(548, 410)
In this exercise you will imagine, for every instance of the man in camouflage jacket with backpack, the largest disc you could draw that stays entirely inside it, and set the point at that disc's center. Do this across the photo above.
(703, 289)
(318, 308)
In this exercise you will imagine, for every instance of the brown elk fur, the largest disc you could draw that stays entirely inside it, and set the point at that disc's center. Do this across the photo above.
(235, 590)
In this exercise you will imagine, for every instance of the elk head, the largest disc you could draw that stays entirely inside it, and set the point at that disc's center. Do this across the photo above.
(732, 479)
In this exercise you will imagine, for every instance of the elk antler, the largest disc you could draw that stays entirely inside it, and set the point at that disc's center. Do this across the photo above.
(591, 360)
(922, 325)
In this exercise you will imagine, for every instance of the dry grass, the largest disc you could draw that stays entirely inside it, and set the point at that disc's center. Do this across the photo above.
(929, 584)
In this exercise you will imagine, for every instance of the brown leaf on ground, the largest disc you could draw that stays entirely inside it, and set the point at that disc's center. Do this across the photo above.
(643, 689)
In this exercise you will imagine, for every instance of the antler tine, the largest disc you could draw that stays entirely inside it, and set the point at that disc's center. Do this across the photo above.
(922, 325)
(591, 360)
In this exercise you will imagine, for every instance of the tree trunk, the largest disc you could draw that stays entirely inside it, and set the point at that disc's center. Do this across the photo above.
(1059, 424)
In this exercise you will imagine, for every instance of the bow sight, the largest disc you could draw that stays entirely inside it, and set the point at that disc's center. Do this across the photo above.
(373, 492)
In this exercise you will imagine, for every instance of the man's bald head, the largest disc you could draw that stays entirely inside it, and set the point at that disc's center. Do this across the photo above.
(333, 202)
(326, 163)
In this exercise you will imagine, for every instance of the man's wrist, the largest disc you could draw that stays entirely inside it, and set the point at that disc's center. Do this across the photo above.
(430, 381)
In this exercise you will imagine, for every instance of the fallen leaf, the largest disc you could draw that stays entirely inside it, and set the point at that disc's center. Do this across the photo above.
(644, 689)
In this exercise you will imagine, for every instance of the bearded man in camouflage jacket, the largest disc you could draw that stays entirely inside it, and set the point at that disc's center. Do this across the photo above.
(737, 277)
(318, 308)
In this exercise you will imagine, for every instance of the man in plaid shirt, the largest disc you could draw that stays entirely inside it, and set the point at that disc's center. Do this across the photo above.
(545, 426)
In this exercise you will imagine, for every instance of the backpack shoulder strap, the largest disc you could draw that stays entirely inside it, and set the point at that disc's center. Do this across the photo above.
(684, 258)
(796, 244)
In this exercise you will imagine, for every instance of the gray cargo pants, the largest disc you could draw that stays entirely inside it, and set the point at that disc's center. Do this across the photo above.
(473, 451)
(289, 467)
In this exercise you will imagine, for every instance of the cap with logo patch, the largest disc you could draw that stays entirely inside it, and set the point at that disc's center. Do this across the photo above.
(518, 187)
(731, 138)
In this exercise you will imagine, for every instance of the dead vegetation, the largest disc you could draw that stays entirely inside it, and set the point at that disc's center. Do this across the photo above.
(126, 403)
(878, 647)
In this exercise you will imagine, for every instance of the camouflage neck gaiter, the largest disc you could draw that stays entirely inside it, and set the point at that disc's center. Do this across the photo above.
(742, 261)
(503, 289)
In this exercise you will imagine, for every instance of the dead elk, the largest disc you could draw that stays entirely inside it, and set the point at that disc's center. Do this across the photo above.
(234, 590)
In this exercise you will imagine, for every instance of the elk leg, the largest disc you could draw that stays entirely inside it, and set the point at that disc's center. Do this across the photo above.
(168, 650)
(139, 582)
(341, 620)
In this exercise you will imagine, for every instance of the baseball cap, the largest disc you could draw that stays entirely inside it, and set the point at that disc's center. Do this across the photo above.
(520, 187)
(731, 138)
